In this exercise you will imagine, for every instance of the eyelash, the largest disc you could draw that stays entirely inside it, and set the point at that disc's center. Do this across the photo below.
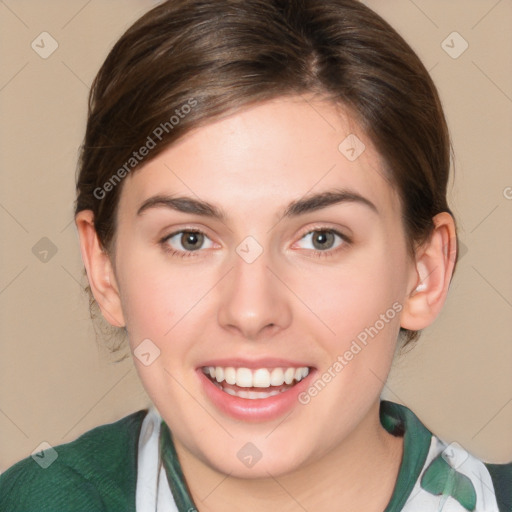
(329, 252)
(180, 254)
(316, 253)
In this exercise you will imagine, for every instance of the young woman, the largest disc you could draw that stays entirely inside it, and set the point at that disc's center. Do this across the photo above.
(261, 205)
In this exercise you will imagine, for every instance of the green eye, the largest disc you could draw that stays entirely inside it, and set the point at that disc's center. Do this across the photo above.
(324, 239)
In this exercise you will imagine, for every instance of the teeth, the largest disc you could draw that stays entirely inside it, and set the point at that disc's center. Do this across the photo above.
(289, 374)
(243, 377)
(277, 377)
(260, 378)
(229, 375)
(252, 395)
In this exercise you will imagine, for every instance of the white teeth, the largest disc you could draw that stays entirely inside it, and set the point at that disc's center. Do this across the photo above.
(243, 378)
(252, 395)
(277, 377)
(289, 374)
(230, 375)
(259, 378)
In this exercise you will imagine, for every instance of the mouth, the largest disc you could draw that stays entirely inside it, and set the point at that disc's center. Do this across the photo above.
(254, 391)
(255, 384)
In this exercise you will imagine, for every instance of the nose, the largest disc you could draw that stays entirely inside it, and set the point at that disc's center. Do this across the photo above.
(254, 303)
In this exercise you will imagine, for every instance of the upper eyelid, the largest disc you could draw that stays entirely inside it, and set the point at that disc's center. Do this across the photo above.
(345, 233)
(324, 228)
(185, 230)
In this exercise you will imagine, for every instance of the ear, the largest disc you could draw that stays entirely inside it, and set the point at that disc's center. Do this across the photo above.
(434, 266)
(99, 270)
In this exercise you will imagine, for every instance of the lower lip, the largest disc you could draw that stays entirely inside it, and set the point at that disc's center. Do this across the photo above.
(258, 409)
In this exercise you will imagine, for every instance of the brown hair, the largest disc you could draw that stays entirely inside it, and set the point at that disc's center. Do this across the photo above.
(217, 56)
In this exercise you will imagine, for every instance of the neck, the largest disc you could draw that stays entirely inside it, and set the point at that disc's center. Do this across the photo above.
(359, 474)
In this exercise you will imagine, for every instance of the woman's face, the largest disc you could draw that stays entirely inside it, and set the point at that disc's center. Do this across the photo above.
(296, 264)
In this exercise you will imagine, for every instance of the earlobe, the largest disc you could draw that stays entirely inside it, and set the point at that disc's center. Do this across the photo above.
(434, 265)
(99, 269)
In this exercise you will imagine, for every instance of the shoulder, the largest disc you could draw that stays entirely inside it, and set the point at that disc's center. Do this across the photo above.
(95, 472)
(452, 472)
(436, 475)
(501, 475)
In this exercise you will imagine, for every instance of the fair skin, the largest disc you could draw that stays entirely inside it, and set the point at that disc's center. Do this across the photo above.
(332, 453)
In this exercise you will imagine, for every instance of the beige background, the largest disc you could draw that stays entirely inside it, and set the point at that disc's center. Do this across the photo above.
(55, 383)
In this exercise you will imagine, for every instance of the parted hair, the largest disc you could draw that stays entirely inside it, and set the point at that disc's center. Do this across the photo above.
(225, 55)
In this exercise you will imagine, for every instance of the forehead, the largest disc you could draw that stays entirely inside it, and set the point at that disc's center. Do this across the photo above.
(264, 156)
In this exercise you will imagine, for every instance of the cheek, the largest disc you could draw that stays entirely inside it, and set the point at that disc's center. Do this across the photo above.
(156, 295)
(361, 306)
(352, 296)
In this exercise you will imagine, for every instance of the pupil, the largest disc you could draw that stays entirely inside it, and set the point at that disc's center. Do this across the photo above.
(191, 240)
(323, 238)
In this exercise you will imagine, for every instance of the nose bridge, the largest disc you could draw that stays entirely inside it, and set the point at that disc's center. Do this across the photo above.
(253, 300)
(252, 277)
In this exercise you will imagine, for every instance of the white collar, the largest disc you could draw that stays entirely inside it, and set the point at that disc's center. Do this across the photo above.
(153, 493)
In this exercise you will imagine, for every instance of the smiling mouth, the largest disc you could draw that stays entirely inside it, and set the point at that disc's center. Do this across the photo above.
(255, 384)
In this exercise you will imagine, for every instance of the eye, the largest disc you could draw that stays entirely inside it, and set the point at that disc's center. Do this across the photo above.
(324, 240)
(186, 241)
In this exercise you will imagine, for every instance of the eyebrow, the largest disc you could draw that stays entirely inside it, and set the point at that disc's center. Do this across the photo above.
(294, 209)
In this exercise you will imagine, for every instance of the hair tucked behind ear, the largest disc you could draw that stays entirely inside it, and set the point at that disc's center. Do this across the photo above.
(225, 55)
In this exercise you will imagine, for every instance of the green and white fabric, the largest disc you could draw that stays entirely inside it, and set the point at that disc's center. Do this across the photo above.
(153, 492)
(132, 466)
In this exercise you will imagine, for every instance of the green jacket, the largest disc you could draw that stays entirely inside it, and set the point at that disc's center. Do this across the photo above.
(98, 472)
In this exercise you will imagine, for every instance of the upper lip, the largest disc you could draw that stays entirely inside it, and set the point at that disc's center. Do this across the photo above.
(266, 362)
